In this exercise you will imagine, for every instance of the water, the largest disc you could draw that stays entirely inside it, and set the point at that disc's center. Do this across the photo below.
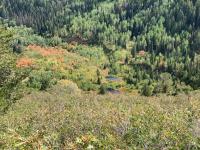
(111, 78)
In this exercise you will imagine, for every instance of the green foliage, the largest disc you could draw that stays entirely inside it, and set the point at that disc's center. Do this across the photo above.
(54, 41)
(55, 119)
(17, 47)
(158, 129)
(99, 78)
(7, 63)
(147, 90)
(165, 84)
(41, 79)
(94, 53)
(9, 76)
(145, 25)
(65, 87)
(102, 89)
(148, 37)
(87, 85)
(182, 88)
(152, 45)
(88, 142)
(26, 36)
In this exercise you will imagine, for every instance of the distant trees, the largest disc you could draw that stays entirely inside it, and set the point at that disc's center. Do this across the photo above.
(151, 25)
(162, 37)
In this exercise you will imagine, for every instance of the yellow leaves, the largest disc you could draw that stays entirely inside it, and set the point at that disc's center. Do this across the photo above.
(87, 142)
(65, 82)
(34, 141)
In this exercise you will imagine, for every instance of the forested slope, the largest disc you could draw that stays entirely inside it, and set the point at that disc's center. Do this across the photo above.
(100, 74)
(166, 30)
(153, 25)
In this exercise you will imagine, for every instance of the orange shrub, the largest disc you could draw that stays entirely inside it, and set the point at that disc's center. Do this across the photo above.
(24, 62)
(50, 51)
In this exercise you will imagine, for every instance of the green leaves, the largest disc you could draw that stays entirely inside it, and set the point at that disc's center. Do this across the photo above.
(7, 63)
(41, 79)
(155, 128)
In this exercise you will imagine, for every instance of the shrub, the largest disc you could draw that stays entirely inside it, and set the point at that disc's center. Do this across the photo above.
(183, 88)
(165, 84)
(147, 90)
(3, 104)
(67, 87)
(91, 52)
(152, 128)
(17, 47)
(55, 41)
(87, 85)
(9, 78)
(102, 89)
(41, 80)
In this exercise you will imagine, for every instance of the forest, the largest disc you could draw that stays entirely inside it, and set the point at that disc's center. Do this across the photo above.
(99, 74)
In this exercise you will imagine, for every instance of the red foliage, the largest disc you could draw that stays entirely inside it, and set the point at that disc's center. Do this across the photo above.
(24, 62)
(50, 51)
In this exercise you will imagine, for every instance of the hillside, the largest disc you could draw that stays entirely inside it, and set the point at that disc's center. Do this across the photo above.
(166, 30)
(66, 97)
(55, 119)
(99, 74)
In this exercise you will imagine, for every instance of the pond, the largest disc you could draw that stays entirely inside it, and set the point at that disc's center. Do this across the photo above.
(111, 78)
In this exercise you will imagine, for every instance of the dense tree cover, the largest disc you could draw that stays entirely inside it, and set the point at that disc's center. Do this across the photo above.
(162, 36)
(158, 26)
(52, 51)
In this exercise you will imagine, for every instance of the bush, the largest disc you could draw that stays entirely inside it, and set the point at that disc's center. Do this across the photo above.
(165, 84)
(91, 52)
(41, 80)
(183, 88)
(102, 89)
(17, 47)
(152, 128)
(87, 86)
(3, 104)
(147, 90)
(26, 36)
(55, 41)
(66, 87)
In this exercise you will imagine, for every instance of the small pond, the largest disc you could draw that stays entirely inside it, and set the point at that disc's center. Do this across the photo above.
(111, 78)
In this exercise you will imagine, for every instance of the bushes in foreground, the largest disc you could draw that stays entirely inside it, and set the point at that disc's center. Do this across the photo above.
(156, 129)
(57, 120)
